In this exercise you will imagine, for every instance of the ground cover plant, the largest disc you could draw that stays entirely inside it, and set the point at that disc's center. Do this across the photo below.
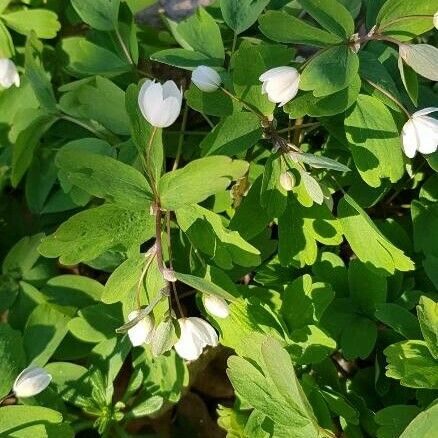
(222, 226)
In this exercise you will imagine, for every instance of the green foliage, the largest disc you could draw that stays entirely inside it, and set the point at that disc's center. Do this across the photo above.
(280, 219)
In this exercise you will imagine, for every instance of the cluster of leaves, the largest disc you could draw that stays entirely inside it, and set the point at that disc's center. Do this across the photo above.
(333, 325)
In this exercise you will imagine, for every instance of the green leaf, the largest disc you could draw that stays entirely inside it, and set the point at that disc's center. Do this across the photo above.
(410, 80)
(422, 58)
(147, 407)
(213, 104)
(96, 323)
(424, 215)
(32, 422)
(105, 177)
(90, 233)
(27, 142)
(43, 22)
(44, 332)
(204, 286)
(393, 420)
(233, 135)
(367, 288)
(123, 279)
(249, 62)
(359, 338)
(423, 425)
(273, 197)
(36, 74)
(374, 141)
(86, 58)
(428, 317)
(207, 233)
(412, 364)
(186, 59)
(332, 70)
(339, 405)
(312, 186)
(299, 230)
(12, 359)
(203, 35)
(405, 20)
(304, 302)
(241, 14)
(99, 14)
(307, 103)
(331, 15)
(7, 49)
(367, 241)
(399, 319)
(198, 180)
(275, 391)
(285, 28)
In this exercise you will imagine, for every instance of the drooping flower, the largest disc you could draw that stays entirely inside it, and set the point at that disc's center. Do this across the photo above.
(206, 78)
(420, 133)
(160, 104)
(280, 84)
(31, 381)
(196, 334)
(142, 332)
(216, 306)
(8, 74)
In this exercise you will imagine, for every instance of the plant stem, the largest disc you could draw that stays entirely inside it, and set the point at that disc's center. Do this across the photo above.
(181, 137)
(390, 96)
(149, 169)
(293, 128)
(233, 48)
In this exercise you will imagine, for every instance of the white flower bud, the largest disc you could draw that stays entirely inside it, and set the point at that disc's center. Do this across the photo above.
(160, 104)
(195, 335)
(280, 84)
(287, 181)
(216, 306)
(206, 79)
(31, 381)
(8, 74)
(142, 332)
(420, 133)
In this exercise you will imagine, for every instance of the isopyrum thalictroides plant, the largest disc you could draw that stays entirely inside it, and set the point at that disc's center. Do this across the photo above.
(222, 226)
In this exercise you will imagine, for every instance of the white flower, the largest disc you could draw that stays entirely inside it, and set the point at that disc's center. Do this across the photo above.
(435, 20)
(206, 79)
(142, 332)
(280, 84)
(160, 104)
(195, 335)
(420, 133)
(216, 306)
(8, 74)
(31, 381)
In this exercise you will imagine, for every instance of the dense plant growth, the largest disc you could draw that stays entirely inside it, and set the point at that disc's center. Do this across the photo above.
(225, 225)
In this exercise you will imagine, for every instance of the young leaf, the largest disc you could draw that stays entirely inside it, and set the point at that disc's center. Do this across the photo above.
(422, 58)
(318, 162)
(198, 180)
(312, 187)
(164, 337)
